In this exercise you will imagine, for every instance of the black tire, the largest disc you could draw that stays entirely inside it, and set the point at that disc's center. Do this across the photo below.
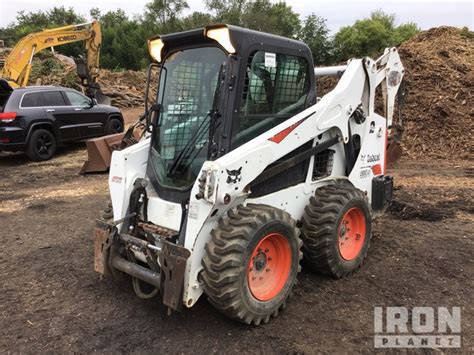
(41, 145)
(228, 272)
(114, 126)
(329, 245)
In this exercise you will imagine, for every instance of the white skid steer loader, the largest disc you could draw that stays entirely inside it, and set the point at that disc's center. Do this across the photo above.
(243, 172)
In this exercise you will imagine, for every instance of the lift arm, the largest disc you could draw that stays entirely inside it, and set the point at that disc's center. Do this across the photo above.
(18, 64)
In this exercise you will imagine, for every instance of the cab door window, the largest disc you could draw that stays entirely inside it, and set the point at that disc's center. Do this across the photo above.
(275, 88)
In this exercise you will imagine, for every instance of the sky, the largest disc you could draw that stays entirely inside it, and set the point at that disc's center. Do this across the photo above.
(426, 13)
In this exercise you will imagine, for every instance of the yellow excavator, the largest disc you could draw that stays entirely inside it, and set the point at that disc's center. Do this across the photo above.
(17, 65)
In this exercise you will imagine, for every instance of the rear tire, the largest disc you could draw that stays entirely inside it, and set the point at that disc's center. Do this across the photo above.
(41, 145)
(114, 126)
(251, 263)
(336, 230)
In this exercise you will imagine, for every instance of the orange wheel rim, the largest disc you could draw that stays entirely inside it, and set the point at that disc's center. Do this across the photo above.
(269, 267)
(351, 233)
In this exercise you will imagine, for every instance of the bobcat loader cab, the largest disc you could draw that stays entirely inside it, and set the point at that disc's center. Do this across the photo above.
(243, 171)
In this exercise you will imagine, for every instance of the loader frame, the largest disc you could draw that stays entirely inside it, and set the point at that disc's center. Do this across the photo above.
(226, 182)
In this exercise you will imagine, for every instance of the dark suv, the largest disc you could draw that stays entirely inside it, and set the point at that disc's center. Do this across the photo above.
(36, 119)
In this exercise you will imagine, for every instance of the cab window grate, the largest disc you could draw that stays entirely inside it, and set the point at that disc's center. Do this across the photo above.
(323, 164)
(275, 88)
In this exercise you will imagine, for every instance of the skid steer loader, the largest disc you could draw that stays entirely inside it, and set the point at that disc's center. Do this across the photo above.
(243, 172)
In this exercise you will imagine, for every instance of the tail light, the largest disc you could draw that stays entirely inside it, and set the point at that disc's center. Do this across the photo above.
(7, 116)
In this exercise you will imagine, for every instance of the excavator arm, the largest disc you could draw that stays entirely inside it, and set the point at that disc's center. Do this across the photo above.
(17, 67)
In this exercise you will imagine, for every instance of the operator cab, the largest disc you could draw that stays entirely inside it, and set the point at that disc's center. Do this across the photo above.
(219, 88)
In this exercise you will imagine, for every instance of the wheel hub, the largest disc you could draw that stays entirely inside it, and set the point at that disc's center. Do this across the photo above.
(43, 145)
(260, 261)
(351, 233)
(269, 267)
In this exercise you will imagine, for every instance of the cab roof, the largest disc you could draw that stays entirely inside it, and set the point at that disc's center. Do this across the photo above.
(242, 40)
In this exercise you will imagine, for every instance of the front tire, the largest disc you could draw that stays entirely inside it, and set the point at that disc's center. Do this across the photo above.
(114, 126)
(251, 263)
(336, 230)
(41, 145)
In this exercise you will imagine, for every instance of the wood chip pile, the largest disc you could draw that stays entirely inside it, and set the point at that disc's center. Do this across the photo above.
(439, 112)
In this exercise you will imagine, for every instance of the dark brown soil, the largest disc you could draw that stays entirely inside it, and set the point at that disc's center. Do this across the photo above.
(421, 254)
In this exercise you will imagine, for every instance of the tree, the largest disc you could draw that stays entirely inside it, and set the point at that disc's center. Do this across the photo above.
(404, 32)
(315, 34)
(196, 20)
(368, 37)
(164, 15)
(261, 15)
(123, 41)
(227, 11)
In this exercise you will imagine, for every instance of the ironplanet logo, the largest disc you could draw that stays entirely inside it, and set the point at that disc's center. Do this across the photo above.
(417, 327)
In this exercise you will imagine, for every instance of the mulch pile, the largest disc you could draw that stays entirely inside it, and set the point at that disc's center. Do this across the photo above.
(125, 88)
(438, 113)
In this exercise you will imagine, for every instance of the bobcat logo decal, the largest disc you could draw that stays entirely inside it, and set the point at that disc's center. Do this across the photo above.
(233, 176)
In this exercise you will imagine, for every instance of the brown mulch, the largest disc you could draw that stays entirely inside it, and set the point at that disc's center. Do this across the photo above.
(438, 113)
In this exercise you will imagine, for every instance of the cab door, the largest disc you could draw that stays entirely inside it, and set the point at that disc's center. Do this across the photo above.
(90, 117)
(59, 112)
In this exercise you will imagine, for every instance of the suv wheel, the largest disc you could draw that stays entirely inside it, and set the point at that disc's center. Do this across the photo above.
(114, 126)
(41, 145)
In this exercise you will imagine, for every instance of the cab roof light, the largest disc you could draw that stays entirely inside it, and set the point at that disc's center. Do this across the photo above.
(154, 48)
(222, 36)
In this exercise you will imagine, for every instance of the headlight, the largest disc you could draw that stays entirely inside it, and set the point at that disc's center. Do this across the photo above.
(222, 36)
(154, 47)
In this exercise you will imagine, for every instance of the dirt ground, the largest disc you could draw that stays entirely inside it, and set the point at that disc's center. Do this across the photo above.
(51, 300)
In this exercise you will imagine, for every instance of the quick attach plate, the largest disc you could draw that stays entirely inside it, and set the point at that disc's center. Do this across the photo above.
(103, 233)
(173, 265)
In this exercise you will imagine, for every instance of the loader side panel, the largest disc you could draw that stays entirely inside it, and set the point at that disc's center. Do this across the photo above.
(126, 166)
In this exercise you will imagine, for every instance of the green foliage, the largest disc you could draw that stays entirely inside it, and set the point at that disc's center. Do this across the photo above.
(315, 34)
(261, 15)
(368, 37)
(29, 22)
(44, 65)
(404, 32)
(123, 41)
(466, 33)
(124, 37)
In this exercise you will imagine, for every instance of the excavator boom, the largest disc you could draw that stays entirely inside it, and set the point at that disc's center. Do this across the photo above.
(17, 66)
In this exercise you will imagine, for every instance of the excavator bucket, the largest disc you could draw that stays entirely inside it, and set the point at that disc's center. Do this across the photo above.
(102, 99)
(92, 87)
(99, 150)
